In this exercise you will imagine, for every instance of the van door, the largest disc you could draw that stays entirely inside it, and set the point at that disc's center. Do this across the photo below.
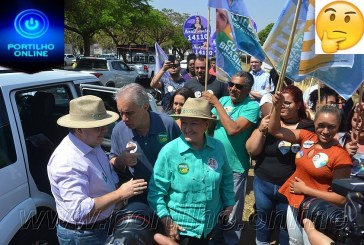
(14, 184)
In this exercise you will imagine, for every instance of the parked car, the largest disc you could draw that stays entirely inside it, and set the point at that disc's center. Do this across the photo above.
(144, 64)
(108, 56)
(112, 73)
(68, 59)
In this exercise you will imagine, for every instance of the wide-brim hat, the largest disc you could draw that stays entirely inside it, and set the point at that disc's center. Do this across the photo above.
(196, 108)
(87, 112)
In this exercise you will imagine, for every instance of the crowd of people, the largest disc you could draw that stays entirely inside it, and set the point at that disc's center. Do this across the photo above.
(190, 162)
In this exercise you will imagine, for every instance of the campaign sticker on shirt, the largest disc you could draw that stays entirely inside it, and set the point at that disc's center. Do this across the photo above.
(308, 144)
(183, 168)
(320, 160)
(212, 163)
(130, 144)
(228, 109)
(170, 89)
(163, 137)
(210, 91)
(284, 147)
(299, 154)
(197, 94)
(295, 148)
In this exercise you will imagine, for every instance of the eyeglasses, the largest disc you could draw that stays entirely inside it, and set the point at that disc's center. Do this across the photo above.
(175, 66)
(287, 103)
(238, 86)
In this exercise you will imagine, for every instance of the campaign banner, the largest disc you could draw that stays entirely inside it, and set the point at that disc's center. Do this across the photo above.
(247, 39)
(195, 29)
(200, 49)
(227, 55)
(233, 6)
(342, 72)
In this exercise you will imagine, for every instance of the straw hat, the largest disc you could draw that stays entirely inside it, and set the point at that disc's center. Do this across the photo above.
(195, 107)
(87, 112)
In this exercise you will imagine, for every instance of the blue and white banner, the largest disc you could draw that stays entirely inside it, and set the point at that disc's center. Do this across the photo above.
(343, 73)
(233, 6)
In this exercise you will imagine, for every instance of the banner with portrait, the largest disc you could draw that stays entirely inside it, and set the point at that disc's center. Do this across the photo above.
(195, 29)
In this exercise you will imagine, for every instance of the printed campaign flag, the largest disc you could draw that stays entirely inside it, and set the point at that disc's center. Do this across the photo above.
(227, 56)
(234, 6)
(235, 36)
(246, 37)
(160, 57)
(343, 73)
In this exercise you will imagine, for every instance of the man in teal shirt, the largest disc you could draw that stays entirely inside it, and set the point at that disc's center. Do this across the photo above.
(237, 114)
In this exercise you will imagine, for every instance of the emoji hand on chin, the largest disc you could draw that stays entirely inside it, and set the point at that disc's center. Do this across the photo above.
(330, 45)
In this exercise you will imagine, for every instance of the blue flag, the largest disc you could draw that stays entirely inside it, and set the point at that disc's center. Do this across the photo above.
(245, 36)
(160, 57)
(233, 6)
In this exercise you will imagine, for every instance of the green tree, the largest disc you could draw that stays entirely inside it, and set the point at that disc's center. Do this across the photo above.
(86, 18)
(263, 34)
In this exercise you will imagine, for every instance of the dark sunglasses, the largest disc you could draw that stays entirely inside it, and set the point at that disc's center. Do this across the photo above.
(238, 86)
(175, 65)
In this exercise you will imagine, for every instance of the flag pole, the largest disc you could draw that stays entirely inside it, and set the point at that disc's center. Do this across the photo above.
(207, 48)
(289, 46)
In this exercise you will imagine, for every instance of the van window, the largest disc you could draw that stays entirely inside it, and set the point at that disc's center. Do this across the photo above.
(39, 110)
(7, 148)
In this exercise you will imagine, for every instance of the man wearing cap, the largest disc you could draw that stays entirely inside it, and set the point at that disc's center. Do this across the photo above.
(83, 182)
(237, 114)
(192, 183)
(141, 132)
(197, 84)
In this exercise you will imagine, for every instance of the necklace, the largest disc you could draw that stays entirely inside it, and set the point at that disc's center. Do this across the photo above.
(290, 123)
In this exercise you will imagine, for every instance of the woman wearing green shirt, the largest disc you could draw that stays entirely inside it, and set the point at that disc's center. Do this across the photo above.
(192, 183)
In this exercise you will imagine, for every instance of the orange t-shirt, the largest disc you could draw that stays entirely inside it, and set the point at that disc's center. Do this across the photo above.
(317, 170)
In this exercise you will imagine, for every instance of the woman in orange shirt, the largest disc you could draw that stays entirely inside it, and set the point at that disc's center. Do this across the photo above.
(320, 160)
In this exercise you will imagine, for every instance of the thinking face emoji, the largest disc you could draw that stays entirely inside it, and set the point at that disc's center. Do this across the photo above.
(339, 25)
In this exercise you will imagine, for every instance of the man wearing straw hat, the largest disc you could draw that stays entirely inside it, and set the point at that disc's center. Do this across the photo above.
(83, 182)
(138, 138)
(237, 115)
(192, 183)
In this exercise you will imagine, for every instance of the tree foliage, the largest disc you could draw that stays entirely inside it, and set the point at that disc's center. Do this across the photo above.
(263, 34)
(123, 22)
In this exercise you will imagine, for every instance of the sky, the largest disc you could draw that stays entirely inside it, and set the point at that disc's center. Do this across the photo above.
(263, 12)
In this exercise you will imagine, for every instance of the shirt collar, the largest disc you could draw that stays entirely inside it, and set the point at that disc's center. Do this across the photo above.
(81, 146)
(257, 73)
(184, 146)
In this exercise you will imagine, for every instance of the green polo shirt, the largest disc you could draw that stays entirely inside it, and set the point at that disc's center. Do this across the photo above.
(236, 152)
(191, 186)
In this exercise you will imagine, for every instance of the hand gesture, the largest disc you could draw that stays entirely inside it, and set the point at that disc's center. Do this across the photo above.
(163, 240)
(297, 186)
(132, 188)
(263, 126)
(167, 65)
(330, 45)
(212, 99)
(352, 146)
(127, 158)
(278, 100)
(171, 228)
